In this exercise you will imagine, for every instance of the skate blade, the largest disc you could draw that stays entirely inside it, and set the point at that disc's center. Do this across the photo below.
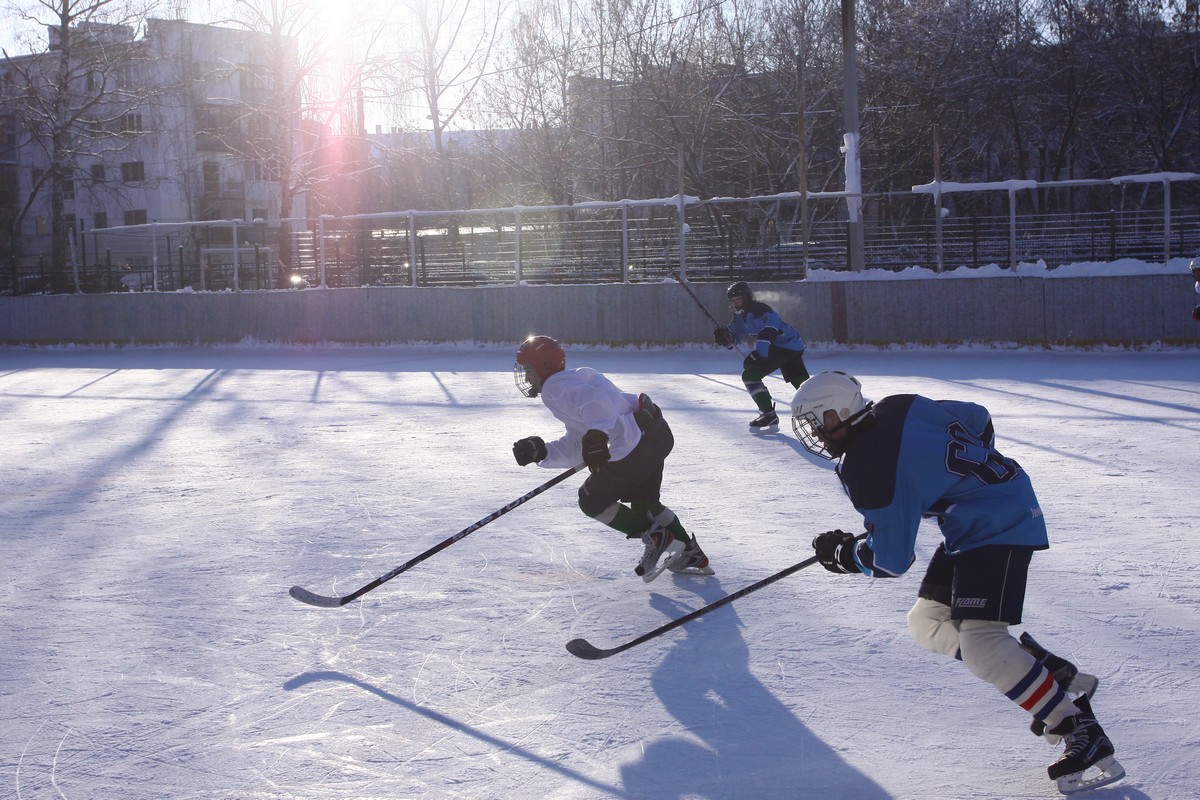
(693, 571)
(668, 553)
(1083, 683)
(1102, 773)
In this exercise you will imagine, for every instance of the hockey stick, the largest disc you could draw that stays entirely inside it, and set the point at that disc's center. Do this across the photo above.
(692, 294)
(585, 649)
(700, 305)
(321, 601)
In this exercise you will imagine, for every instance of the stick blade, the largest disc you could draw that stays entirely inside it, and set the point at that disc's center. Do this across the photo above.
(582, 648)
(318, 600)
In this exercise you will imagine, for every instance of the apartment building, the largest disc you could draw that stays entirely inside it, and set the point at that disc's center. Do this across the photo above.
(188, 122)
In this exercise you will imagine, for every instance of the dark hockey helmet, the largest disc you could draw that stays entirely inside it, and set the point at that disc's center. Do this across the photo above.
(740, 289)
(538, 358)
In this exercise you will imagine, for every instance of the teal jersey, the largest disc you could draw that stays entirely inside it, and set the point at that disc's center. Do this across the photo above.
(767, 327)
(913, 457)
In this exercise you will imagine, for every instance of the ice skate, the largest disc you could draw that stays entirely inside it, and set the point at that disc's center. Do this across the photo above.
(690, 561)
(766, 421)
(1088, 761)
(661, 547)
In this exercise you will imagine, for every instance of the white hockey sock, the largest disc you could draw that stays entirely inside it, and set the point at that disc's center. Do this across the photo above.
(994, 656)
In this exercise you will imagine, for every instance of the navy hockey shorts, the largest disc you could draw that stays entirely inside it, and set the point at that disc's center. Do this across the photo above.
(790, 364)
(636, 478)
(987, 583)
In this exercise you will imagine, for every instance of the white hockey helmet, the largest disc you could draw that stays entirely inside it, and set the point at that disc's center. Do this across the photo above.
(834, 391)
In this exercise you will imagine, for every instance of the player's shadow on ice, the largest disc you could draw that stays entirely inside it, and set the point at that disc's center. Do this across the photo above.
(752, 744)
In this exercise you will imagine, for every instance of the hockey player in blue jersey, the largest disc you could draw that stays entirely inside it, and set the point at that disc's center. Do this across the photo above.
(624, 440)
(1194, 268)
(776, 346)
(907, 457)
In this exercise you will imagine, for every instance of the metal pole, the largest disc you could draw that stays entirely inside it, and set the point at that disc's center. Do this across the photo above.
(1012, 229)
(321, 233)
(1166, 220)
(854, 227)
(682, 217)
(937, 194)
(154, 253)
(802, 155)
(237, 260)
(624, 242)
(412, 249)
(517, 242)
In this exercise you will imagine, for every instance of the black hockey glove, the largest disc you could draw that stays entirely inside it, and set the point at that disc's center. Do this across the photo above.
(724, 337)
(753, 361)
(835, 550)
(595, 449)
(529, 450)
(1196, 313)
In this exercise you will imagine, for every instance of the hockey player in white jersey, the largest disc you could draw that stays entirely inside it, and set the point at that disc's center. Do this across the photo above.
(624, 441)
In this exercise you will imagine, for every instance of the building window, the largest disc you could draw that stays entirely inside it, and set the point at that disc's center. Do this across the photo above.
(131, 123)
(100, 220)
(68, 188)
(212, 177)
(133, 171)
(137, 217)
(97, 173)
(71, 222)
(259, 213)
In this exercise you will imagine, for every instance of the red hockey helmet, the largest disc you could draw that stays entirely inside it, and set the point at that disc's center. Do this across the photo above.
(538, 358)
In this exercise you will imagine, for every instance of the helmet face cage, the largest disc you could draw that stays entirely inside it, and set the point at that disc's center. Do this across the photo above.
(834, 391)
(523, 384)
(805, 427)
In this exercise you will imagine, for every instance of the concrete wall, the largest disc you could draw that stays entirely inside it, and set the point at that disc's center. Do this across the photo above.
(1066, 311)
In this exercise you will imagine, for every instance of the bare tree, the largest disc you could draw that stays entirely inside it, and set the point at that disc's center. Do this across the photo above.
(64, 104)
(449, 49)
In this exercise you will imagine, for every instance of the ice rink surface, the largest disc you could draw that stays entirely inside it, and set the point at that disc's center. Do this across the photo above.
(157, 504)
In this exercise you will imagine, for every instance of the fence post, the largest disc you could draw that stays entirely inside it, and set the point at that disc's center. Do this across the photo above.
(321, 250)
(237, 284)
(1166, 220)
(682, 236)
(624, 242)
(517, 241)
(412, 249)
(154, 254)
(1012, 228)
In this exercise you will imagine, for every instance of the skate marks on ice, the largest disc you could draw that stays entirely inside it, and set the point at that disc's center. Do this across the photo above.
(453, 727)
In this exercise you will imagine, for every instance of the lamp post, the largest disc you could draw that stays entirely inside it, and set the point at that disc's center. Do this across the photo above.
(854, 226)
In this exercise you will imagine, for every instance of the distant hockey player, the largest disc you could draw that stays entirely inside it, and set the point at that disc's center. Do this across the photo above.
(908, 457)
(776, 346)
(623, 439)
(1195, 268)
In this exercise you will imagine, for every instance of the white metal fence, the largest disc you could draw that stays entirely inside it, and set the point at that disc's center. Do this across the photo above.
(773, 237)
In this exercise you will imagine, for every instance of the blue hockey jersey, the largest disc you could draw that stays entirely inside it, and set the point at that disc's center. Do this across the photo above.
(915, 457)
(762, 322)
